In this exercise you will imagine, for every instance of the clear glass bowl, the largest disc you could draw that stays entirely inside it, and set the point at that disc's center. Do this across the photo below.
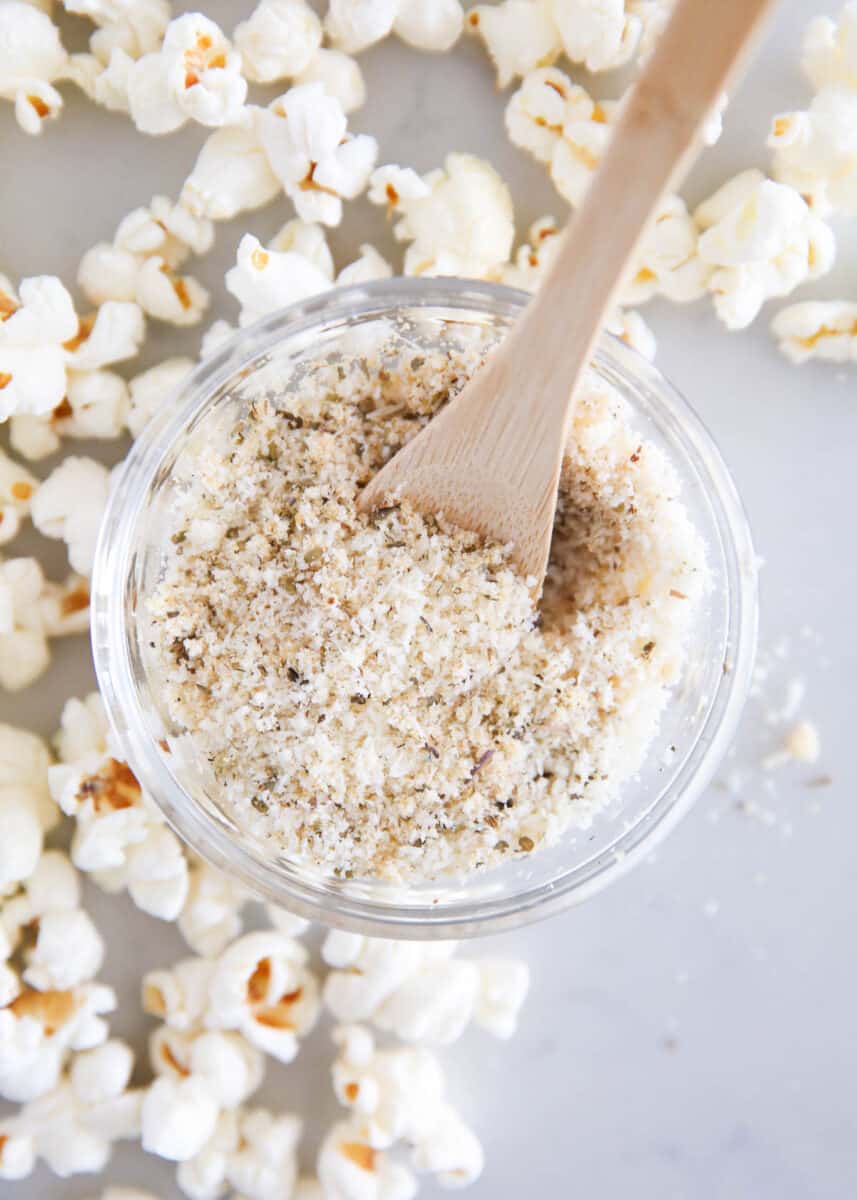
(700, 718)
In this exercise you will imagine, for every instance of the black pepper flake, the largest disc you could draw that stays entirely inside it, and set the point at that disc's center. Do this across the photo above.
(358, 698)
(259, 804)
(431, 750)
(647, 649)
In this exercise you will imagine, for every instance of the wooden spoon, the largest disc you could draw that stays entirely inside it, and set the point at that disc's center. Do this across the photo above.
(490, 461)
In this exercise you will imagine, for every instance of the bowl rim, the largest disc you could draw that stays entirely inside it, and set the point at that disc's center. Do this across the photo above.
(212, 840)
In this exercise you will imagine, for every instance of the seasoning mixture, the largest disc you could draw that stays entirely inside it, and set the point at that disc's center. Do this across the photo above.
(378, 695)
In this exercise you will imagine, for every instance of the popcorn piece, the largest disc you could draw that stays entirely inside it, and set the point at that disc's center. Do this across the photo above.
(154, 872)
(21, 844)
(317, 162)
(37, 1029)
(31, 57)
(353, 25)
(110, 87)
(34, 324)
(367, 971)
(39, 103)
(112, 334)
(218, 333)
(68, 951)
(599, 35)
(397, 1094)
(653, 16)
(285, 922)
(196, 75)
(823, 329)
(451, 1151)
(98, 403)
(108, 272)
(231, 174)
(534, 258)
(231, 1068)
(17, 1151)
(179, 996)
(252, 1150)
(69, 505)
(52, 886)
(136, 25)
(815, 152)
(433, 25)
(64, 607)
(180, 300)
(370, 265)
(211, 917)
(24, 762)
(390, 185)
(278, 41)
(761, 240)
(310, 241)
(433, 1005)
(520, 35)
(76, 1123)
(669, 263)
(24, 652)
(503, 987)
(178, 1117)
(538, 111)
(339, 75)
(349, 1168)
(152, 389)
(585, 134)
(830, 50)
(17, 486)
(265, 280)
(631, 329)
(802, 742)
(262, 987)
(463, 227)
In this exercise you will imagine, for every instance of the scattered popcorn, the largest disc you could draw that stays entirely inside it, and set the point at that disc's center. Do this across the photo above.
(211, 917)
(433, 25)
(180, 300)
(599, 35)
(31, 59)
(830, 50)
(370, 265)
(17, 486)
(669, 262)
(21, 844)
(112, 334)
(52, 886)
(534, 258)
(631, 329)
(217, 334)
(262, 987)
(137, 25)
(17, 1151)
(178, 1117)
(339, 75)
(576, 156)
(232, 173)
(464, 226)
(285, 922)
(823, 329)
(353, 25)
(760, 240)
(653, 16)
(815, 152)
(349, 1168)
(433, 1005)
(278, 41)
(195, 75)
(98, 404)
(304, 135)
(69, 505)
(24, 763)
(151, 389)
(520, 35)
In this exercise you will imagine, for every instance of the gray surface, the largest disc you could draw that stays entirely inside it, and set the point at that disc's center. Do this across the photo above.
(690, 1034)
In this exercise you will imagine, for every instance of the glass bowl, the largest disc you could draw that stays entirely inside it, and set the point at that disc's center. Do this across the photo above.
(699, 720)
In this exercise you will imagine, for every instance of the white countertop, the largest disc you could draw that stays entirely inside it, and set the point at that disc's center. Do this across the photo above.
(690, 1032)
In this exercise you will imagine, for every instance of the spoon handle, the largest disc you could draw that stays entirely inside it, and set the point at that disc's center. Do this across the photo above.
(657, 134)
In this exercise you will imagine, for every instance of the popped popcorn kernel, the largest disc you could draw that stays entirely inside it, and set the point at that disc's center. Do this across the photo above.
(340, 76)
(519, 35)
(278, 41)
(354, 25)
(69, 505)
(32, 57)
(432, 25)
(232, 173)
(822, 329)
(600, 35)
(830, 50)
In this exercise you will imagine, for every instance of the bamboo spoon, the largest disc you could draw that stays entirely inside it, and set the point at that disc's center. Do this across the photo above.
(490, 461)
